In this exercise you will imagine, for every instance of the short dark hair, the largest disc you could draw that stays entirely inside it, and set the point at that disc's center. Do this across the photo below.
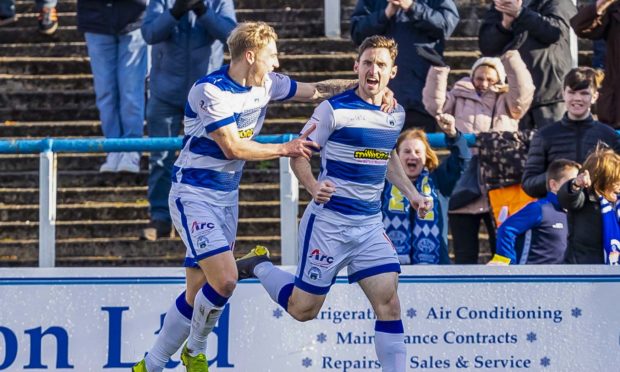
(583, 78)
(378, 41)
(558, 168)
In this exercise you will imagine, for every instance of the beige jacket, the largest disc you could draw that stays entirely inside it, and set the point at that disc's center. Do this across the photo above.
(502, 105)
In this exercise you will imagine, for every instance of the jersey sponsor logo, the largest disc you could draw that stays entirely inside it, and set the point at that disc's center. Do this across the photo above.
(318, 258)
(558, 225)
(391, 121)
(371, 154)
(246, 133)
(314, 273)
(199, 226)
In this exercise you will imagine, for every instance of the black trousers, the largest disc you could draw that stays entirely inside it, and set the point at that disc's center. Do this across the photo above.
(465, 229)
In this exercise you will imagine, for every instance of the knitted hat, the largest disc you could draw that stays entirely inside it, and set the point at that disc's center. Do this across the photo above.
(493, 62)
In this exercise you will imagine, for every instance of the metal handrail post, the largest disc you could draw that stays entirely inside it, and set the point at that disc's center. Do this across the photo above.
(289, 206)
(47, 208)
(332, 18)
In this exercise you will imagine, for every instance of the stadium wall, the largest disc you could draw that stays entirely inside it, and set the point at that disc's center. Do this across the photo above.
(536, 318)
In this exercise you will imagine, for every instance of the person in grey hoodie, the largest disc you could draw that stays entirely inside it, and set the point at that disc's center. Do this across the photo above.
(188, 38)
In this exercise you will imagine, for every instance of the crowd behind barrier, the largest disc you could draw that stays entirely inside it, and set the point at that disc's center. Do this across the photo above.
(518, 85)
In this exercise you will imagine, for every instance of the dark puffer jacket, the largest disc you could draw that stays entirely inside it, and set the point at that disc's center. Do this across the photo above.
(565, 139)
(585, 236)
(546, 52)
(110, 17)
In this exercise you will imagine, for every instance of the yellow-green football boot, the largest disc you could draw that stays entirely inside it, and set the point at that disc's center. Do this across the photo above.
(247, 263)
(196, 363)
(140, 367)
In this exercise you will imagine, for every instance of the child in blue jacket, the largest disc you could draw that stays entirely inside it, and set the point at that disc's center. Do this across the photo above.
(537, 234)
(422, 240)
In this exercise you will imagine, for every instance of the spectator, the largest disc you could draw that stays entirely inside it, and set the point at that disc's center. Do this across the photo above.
(593, 210)
(537, 233)
(188, 38)
(421, 240)
(118, 59)
(601, 21)
(480, 103)
(543, 24)
(47, 20)
(410, 23)
(571, 138)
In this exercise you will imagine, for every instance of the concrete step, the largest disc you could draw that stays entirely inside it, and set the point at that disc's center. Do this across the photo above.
(80, 105)
(30, 20)
(16, 230)
(120, 251)
(307, 28)
(317, 45)
(26, 6)
(115, 210)
(81, 82)
(11, 163)
(92, 128)
(289, 64)
(128, 194)
(92, 178)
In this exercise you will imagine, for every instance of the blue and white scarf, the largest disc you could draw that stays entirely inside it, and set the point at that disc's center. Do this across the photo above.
(427, 231)
(610, 215)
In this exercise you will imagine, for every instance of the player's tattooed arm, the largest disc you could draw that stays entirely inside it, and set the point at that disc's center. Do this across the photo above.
(316, 92)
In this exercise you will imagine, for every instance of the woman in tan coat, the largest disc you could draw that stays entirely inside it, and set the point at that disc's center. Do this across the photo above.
(494, 98)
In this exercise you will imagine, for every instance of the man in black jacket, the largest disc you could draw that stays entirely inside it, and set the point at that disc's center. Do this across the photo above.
(411, 23)
(545, 51)
(573, 137)
(118, 60)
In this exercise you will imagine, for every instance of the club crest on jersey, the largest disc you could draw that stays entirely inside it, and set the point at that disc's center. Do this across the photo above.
(314, 273)
(320, 259)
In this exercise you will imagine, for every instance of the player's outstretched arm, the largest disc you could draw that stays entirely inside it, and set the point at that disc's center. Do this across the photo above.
(316, 92)
(397, 176)
(233, 147)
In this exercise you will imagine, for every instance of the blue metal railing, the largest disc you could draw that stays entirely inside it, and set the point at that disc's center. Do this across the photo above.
(20, 146)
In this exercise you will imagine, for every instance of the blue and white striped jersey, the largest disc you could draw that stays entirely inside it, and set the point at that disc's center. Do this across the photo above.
(356, 140)
(202, 171)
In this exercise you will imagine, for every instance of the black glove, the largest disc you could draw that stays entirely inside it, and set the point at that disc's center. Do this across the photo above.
(516, 42)
(199, 8)
(431, 55)
(181, 7)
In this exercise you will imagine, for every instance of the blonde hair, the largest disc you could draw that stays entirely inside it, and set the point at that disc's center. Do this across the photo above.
(249, 36)
(378, 41)
(432, 161)
(603, 164)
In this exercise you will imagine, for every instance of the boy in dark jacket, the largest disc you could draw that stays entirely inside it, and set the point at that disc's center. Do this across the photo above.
(573, 137)
(591, 200)
(537, 233)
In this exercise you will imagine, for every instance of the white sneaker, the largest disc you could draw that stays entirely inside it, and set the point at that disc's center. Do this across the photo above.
(111, 162)
(129, 162)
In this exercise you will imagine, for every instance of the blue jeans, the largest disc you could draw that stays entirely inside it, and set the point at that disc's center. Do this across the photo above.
(163, 120)
(7, 7)
(119, 65)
